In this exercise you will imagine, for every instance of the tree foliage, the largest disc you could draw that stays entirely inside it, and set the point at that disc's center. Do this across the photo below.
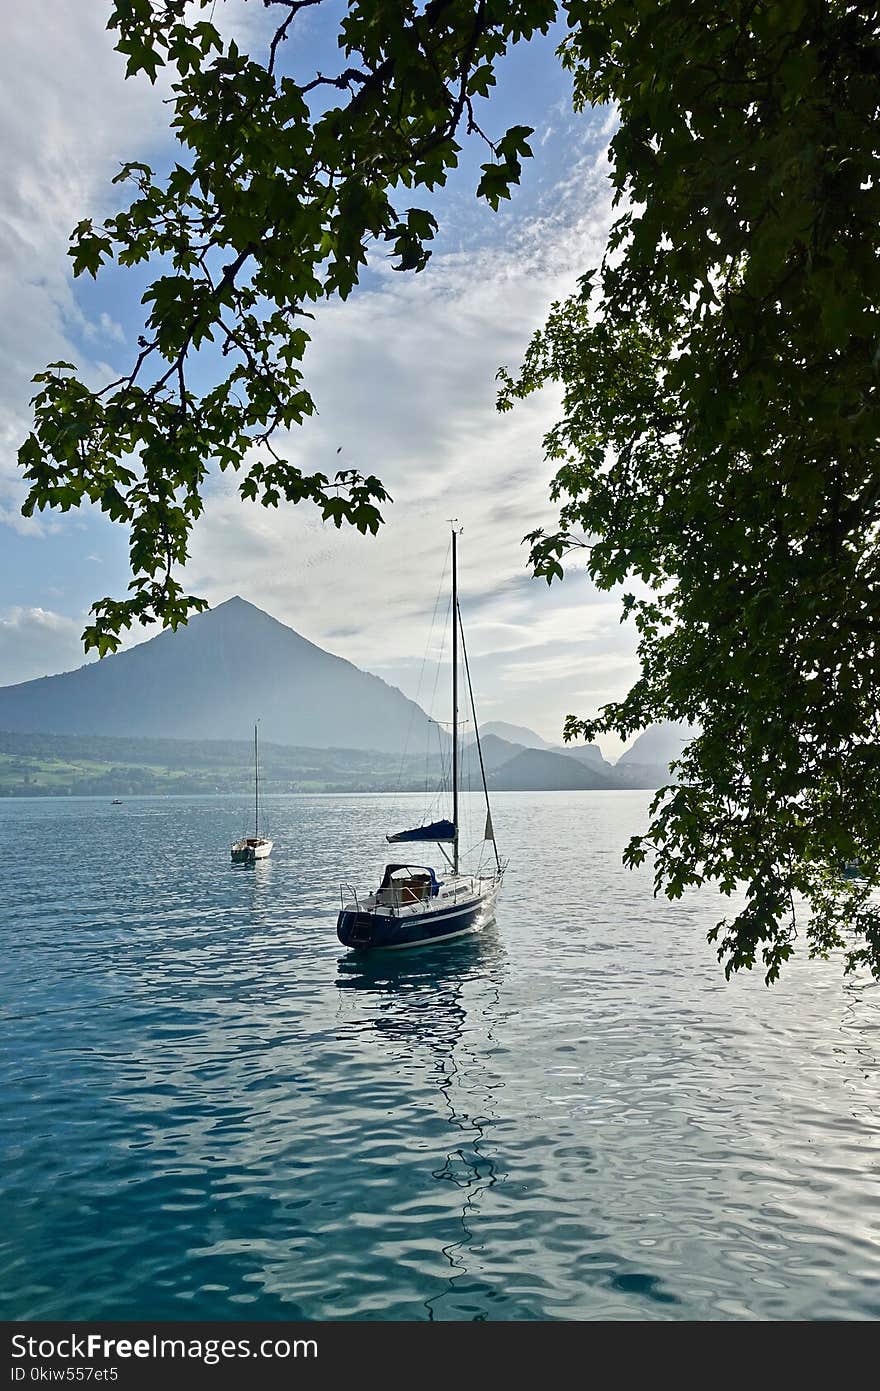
(719, 444)
(718, 448)
(279, 192)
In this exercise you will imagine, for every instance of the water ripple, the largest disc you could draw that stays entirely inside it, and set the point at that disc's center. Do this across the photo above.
(213, 1112)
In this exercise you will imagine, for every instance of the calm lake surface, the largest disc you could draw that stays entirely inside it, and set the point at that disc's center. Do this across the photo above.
(210, 1110)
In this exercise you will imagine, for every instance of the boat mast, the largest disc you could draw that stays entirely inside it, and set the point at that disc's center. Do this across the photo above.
(470, 684)
(454, 702)
(256, 789)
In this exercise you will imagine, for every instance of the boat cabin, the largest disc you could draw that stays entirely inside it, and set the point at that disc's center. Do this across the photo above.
(403, 884)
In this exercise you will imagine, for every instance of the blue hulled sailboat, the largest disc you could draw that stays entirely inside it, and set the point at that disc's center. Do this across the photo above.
(415, 905)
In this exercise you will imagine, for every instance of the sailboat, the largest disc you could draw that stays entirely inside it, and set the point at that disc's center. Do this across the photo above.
(255, 847)
(415, 905)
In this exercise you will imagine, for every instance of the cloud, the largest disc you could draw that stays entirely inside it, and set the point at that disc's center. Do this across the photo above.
(37, 642)
(68, 120)
(403, 374)
(404, 378)
(105, 328)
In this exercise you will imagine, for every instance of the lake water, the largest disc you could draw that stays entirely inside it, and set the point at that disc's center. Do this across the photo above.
(212, 1111)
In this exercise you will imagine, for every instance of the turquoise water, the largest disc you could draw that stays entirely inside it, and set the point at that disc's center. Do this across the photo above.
(211, 1111)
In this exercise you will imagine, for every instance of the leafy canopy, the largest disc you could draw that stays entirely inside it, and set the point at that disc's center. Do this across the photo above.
(280, 190)
(719, 444)
(717, 451)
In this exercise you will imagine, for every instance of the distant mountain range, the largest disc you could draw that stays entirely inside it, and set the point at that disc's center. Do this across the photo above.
(658, 746)
(528, 762)
(651, 753)
(528, 739)
(514, 734)
(542, 770)
(181, 703)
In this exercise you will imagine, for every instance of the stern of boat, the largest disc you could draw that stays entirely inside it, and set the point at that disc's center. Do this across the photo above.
(354, 929)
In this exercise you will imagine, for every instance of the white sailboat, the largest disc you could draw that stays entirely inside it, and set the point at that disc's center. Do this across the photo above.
(414, 905)
(255, 847)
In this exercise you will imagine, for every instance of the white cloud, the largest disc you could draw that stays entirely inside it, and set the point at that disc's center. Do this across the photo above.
(404, 378)
(68, 120)
(37, 642)
(105, 327)
(403, 373)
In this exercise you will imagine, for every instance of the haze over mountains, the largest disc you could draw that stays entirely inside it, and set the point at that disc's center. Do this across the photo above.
(528, 739)
(207, 681)
(522, 760)
(542, 770)
(661, 744)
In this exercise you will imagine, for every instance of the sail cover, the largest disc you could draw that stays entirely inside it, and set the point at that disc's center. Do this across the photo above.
(438, 830)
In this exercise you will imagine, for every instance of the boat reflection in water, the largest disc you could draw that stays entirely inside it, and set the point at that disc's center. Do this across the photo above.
(439, 1006)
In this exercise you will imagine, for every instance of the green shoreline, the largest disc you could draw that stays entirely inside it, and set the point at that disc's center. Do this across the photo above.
(86, 765)
(63, 765)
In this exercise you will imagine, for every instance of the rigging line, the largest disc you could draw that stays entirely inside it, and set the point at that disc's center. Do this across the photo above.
(467, 670)
(433, 702)
(427, 791)
(441, 779)
(440, 790)
(476, 846)
(412, 713)
(437, 723)
(466, 772)
(448, 610)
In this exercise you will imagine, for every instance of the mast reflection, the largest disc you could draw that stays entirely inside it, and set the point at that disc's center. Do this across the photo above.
(421, 998)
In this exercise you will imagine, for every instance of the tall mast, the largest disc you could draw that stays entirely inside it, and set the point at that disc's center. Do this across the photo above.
(454, 702)
(489, 826)
(256, 789)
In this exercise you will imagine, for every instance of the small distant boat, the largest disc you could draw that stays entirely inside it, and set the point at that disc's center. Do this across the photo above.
(415, 906)
(116, 802)
(255, 847)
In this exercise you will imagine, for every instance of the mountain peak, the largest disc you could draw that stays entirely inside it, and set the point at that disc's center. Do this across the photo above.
(515, 734)
(237, 605)
(236, 618)
(659, 744)
(211, 678)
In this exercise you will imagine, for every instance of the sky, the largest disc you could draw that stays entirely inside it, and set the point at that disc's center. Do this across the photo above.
(403, 375)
